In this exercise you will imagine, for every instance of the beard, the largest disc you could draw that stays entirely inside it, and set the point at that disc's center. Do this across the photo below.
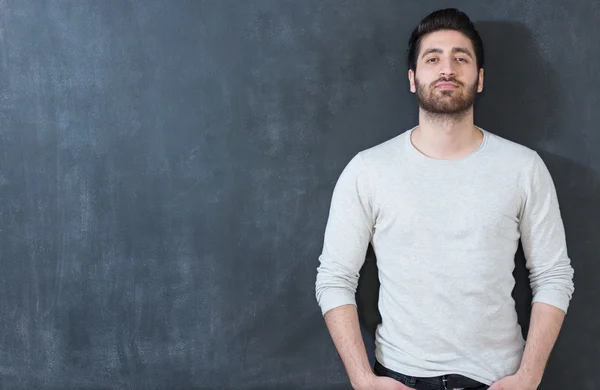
(448, 103)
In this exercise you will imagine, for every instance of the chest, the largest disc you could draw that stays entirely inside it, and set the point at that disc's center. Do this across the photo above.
(448, 206)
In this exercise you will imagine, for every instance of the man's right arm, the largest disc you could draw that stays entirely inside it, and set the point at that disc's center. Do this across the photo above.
(348, 232)
(344, 328)
(347, 235)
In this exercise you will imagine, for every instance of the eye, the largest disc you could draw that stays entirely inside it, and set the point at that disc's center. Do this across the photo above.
(432, 59)
(461, 59)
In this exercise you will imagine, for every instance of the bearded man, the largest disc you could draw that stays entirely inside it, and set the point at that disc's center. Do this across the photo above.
(444, 205)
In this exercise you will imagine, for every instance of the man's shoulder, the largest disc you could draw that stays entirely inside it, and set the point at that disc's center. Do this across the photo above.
(504, 148)
(385, 150)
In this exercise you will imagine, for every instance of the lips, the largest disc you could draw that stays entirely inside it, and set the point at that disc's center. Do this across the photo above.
(446, 85)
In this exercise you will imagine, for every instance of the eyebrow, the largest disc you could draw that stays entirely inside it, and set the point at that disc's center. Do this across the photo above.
(454, 50)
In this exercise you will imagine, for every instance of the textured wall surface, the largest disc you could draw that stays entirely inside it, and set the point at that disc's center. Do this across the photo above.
(166, 169)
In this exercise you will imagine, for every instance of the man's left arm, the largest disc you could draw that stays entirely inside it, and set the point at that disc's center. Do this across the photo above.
(550, 275)
(544, 327)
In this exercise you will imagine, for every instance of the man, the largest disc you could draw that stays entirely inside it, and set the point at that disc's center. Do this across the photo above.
(444, 205)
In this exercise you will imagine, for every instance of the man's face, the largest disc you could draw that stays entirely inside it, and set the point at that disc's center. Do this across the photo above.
(446, 80)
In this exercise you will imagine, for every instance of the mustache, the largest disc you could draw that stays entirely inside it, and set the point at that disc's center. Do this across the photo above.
(447, 80)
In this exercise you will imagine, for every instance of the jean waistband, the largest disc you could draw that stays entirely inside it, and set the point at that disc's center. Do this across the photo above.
(449, 381)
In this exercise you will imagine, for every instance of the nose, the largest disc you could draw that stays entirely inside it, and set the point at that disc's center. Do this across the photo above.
(447, 68)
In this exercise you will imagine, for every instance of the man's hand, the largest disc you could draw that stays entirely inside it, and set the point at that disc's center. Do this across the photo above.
(514, 382)
(382, 383)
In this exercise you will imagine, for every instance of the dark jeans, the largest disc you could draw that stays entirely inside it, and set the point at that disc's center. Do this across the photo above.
(433, 383)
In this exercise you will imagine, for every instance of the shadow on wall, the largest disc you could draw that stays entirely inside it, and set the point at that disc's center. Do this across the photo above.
(519, 102)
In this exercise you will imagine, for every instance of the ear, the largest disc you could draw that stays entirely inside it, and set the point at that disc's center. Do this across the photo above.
(480, 83)
(411, 80)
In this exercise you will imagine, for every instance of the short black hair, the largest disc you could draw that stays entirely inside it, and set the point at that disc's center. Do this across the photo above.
(444, 19)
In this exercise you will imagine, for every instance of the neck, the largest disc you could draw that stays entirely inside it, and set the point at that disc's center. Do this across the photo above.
(446, 137)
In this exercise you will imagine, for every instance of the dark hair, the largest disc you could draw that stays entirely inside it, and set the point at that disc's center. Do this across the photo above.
(444, 19)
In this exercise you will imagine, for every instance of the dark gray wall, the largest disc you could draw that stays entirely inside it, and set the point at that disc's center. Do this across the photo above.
(166, 170)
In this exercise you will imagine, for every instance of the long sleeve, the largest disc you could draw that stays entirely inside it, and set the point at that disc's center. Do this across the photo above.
(543, 239)
(347, 235)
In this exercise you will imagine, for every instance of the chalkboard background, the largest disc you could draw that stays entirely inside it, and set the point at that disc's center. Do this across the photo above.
(166, 169)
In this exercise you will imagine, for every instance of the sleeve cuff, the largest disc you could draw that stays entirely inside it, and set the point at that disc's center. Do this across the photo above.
(558, 299)
(334, 297)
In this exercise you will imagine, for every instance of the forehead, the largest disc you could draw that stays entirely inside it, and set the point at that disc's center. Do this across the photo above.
(445, 40)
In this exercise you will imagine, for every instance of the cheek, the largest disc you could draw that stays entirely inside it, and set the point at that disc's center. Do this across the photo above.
(474, 76)
(423, 80)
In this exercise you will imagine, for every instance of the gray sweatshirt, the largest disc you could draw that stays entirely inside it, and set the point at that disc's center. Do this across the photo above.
(445, 233)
